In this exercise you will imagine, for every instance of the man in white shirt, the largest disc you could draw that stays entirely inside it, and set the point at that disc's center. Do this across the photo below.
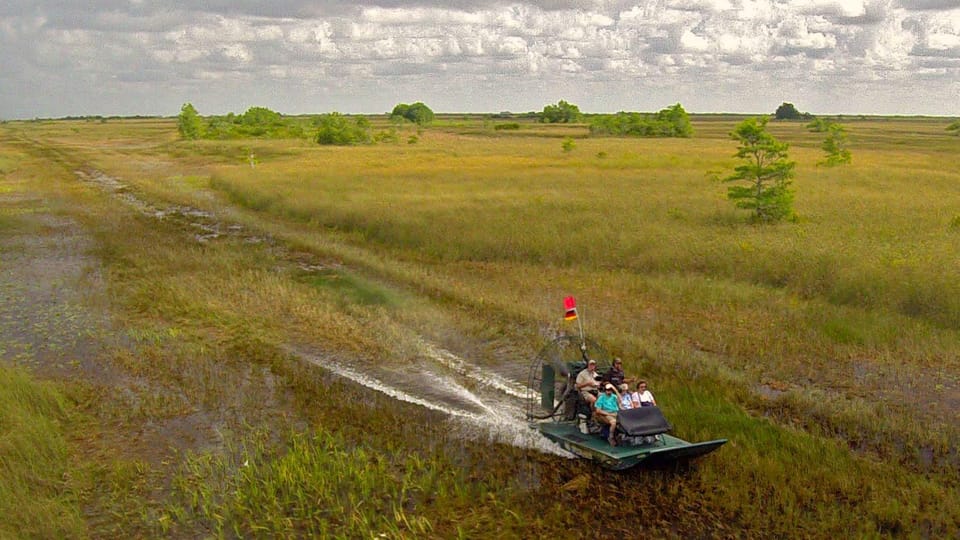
(587, 381)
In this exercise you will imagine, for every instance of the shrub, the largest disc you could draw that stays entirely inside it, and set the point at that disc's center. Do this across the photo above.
(835, 146)
(261, 117)
(670, 122)
(508, 125)
(418, 113)
(561, 113)
(819, 125)
(787, 111)
(337, 129)
(188, 123)
(386, 136)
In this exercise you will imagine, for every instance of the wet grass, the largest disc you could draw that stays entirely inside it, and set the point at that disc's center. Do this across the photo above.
(353, 289)
(474, 239)
(35, 499)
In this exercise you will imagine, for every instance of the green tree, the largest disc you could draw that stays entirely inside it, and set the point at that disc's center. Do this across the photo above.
(954, 127)
(670, 122)
(418, 113)
(766, 172)
(787, 111)
(568, 145)
(561, 113)
(337, 129)
(189, 123)
(835, 145)
(262, 117)
(819, 125)
(674, 122)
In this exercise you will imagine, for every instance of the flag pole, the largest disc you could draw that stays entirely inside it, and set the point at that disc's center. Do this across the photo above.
(570, 312)
(583, 341)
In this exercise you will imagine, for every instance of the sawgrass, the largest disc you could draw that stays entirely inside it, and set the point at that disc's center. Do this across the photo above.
(865, 271)
(35, 499)
(864, 237)
(780, 338)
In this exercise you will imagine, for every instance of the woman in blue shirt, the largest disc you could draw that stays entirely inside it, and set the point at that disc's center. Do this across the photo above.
(606, 410)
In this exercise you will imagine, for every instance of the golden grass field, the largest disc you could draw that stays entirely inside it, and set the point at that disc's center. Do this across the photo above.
(825, 348)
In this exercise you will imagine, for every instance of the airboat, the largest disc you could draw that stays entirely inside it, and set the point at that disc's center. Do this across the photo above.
(556, 409)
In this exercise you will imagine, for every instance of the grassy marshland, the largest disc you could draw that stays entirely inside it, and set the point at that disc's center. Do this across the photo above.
(824, 348)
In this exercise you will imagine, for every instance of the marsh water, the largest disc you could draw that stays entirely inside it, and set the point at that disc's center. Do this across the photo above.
(484, 402)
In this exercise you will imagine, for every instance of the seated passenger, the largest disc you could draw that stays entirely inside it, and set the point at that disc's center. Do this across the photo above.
(626, 401)
(587, 383)
(608, 404)
(616, 376)
(643, 396)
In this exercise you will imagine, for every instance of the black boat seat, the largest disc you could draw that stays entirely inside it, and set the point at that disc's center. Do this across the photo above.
(642, 421)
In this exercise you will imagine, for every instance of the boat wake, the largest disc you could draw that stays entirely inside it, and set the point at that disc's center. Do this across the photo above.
(491, 410)
(486, 404)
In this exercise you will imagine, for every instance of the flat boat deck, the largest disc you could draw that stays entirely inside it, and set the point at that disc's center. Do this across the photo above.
(667, 448)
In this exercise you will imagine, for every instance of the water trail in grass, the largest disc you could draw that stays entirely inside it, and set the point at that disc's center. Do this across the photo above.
(494, 380)
(205, 223)
(487, 404)
(496, 416)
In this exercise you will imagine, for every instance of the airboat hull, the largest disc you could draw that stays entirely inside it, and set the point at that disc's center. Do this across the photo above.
(665, 449)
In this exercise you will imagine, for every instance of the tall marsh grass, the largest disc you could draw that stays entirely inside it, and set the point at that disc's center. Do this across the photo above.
(35, 499)
(867, 234)
(470, 241)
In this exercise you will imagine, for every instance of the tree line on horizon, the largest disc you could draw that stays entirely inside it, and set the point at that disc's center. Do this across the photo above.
(337, 128)
(261, 122)
(761, 183)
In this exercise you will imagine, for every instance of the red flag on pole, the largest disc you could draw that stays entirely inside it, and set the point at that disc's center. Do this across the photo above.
(570, 308)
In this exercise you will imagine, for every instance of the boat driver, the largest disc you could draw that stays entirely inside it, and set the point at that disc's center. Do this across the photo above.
(587, 383)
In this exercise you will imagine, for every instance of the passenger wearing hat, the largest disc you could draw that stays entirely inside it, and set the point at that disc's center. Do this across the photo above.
(606, 412)
(587, 383)
(616, 376)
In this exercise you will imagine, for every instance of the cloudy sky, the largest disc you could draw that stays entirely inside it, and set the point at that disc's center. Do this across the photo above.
(126, 57)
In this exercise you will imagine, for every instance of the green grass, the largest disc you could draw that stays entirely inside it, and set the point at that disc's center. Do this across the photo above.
(653, 213)
(35, 499)
(353, 289)
(321, 487)
(471, 240)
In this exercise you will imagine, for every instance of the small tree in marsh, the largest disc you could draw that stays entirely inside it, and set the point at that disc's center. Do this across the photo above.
(188, 123)
(835, 145)
(765, 171)
(561, 113)
(261, 116)
(418, 113)
(819, 125)
(674, 122)
(337, 129)
(787, 111)
(670, 122)
(954, 127)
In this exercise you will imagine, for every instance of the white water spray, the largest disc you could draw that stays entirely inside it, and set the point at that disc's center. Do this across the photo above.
(493, 380)
(501, 419)
(499, 422)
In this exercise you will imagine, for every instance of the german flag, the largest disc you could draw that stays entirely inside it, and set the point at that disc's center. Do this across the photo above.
(570, 308)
